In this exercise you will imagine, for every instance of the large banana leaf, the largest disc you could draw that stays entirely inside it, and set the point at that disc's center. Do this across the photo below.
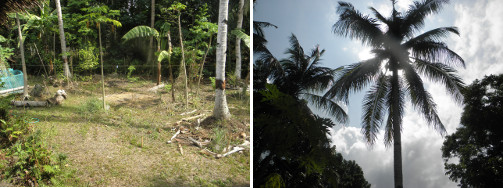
(140, 31)
(243, 36)
(163, 55)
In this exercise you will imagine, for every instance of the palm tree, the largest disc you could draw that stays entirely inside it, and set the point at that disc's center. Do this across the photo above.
(66, 69)
(302, 77)
(221, 110)
(21, 48)
(237, 72)
(400, 57)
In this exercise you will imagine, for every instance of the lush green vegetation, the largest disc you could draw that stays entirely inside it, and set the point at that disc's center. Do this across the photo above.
(477, 143)
(119, 122)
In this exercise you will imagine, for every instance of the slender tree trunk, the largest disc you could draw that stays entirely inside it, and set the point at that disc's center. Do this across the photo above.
(397, 142)
(183, 61)
(102, 75)
(149, 59)
(41, 61)
(202, 65)
(51, 63)
(21, 47)
(237, 72)
(170, 68)
(221, 110)
(63, 41)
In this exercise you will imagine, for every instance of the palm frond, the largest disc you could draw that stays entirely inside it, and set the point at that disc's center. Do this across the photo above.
(421, 99)
(7, 6)
(140, 31)
(330, 106)
(435, 35)
(379, 16)
(443, 74)
(373, 108)
(355, 25)
(414, 17)
(435, 52)
(354, 78)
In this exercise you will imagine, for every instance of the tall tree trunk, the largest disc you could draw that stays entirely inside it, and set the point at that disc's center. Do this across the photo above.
(221, 110)
(183, 61)
(21, 47)
(66, 69)
(102, 75)
(171, 69)
(397, 142)
(202, 65)
(237, 72)
(152, 20)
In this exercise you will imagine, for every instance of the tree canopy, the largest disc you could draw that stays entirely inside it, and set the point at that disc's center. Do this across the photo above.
(477, 143)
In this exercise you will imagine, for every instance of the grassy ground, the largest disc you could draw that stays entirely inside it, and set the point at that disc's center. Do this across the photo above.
(127, 146)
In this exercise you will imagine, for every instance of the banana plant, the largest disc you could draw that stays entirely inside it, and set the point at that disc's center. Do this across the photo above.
(145, 32)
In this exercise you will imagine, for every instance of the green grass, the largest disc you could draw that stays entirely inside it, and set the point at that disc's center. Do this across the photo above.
(105, 149)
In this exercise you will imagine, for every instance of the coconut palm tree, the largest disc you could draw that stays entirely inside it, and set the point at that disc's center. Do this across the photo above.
(21, 48)
(401, 56)
(237, 72)
(66, 69)
(221, 110)
(302, 77)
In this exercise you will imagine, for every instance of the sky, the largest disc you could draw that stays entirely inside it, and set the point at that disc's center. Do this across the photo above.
(479, 44)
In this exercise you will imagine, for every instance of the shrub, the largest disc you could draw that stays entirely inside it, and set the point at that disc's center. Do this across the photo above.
(91, 106)
(219, 139)
(213, 82)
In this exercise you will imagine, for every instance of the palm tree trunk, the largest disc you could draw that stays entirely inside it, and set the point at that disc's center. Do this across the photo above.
(397, 142)
(21, 47)
(63, 41)
(183, 61)
(221, 110)
(171, 69)
(102, 75)
(237, 72)
(152, 20)
(202, 66)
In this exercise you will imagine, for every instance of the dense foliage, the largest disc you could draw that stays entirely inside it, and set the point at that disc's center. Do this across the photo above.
(477, 143)
(81, 19)
(291, 147)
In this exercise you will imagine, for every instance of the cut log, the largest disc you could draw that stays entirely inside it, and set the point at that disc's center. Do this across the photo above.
(29, 103)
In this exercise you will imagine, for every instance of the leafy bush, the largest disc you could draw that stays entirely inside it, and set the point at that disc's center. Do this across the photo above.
(91, 106)
(168, 87)
(32, 163)
(130, 69)
(88, 58)
(11, 131)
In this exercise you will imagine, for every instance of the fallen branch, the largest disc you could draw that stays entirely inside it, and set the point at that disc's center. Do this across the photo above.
(189, 118)
(208, 152)
(193, 117)
(187, 113)
(180, 147)
(236, 149)
(197, 143)
(174, 136)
